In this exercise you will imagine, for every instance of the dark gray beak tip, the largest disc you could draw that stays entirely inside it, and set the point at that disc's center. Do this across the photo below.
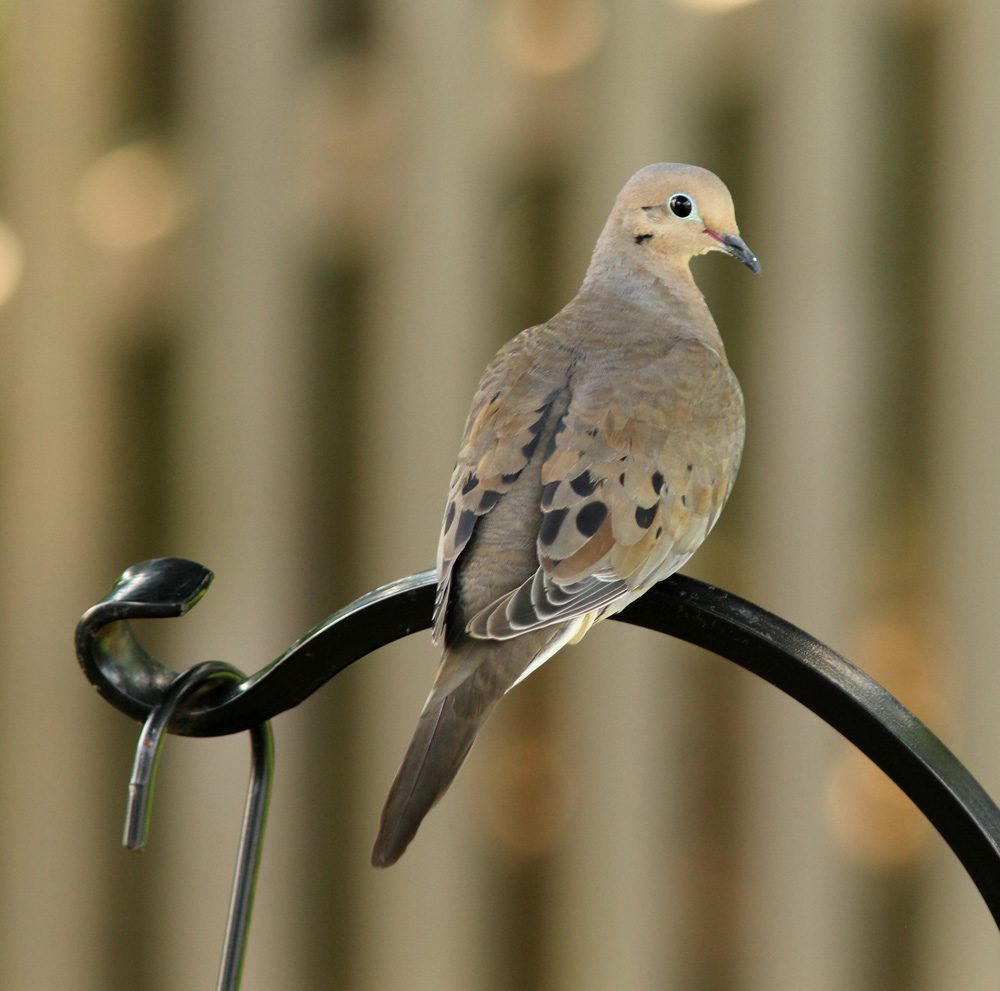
(737, 247)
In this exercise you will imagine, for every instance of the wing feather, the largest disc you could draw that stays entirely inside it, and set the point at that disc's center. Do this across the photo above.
(502, 435)
(634, 480)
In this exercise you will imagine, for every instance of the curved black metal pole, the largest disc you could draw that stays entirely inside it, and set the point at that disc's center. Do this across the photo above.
(801, 666)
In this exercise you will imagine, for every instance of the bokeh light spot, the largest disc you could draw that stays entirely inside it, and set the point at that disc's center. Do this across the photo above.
(550, 37)
(130, 197)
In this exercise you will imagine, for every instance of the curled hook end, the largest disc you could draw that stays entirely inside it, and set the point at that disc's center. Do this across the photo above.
(111, 657)
(147, 751)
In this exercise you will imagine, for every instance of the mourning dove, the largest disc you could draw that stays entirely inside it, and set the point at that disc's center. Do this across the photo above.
(598, 453)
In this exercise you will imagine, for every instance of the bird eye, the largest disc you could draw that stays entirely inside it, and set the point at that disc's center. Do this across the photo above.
(681, 205)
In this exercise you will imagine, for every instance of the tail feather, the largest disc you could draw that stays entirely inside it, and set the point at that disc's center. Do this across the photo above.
(475, 674)
(439, 747)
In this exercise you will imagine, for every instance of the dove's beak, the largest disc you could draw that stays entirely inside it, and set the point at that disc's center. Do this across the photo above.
(737, 247)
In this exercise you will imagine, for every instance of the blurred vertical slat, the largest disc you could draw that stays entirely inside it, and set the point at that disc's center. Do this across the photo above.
(57, 483)
(961, 230)
(807, 469)
(240, 419)
(618, 871)
(430, 210)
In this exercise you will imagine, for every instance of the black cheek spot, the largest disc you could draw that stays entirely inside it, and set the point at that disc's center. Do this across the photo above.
(466, 524)
(657, 481)
(551, 523)
(548, 493)
(449, 517)
(639, 238)
(584, 484)
(470, 483)
(590, 518)
(489, 500)
(644, 516)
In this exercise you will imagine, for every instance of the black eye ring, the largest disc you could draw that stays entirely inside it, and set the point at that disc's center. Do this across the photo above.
(681, 205)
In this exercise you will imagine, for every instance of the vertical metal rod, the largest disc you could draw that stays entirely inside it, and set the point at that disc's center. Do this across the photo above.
(140, 800)
(248, 857)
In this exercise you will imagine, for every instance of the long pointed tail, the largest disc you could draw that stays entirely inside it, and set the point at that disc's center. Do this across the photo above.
(475, 674)
(436, 752)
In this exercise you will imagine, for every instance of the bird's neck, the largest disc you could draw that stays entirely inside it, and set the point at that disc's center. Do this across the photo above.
(622, 281)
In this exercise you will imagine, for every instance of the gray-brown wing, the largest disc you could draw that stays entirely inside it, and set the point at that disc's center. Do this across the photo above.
(501, 437)
(636, 477)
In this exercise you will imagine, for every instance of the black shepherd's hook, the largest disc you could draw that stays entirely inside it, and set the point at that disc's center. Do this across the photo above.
(844, 696)
(140, 797)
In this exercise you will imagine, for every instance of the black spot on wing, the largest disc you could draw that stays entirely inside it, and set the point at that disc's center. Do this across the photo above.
(449, 517)
(590, 518)
(470, 483)
(551, 522)
(536, 431)
(644, 516)
(551, 447)
(488, 501)
(548, 493)
(466, 523)
(657, 481)
(584, 484)
(512, 477)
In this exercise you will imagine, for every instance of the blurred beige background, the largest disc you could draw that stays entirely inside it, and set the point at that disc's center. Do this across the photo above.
(253, 257)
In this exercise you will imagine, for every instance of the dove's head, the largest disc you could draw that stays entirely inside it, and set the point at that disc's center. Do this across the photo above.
(674, 212)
